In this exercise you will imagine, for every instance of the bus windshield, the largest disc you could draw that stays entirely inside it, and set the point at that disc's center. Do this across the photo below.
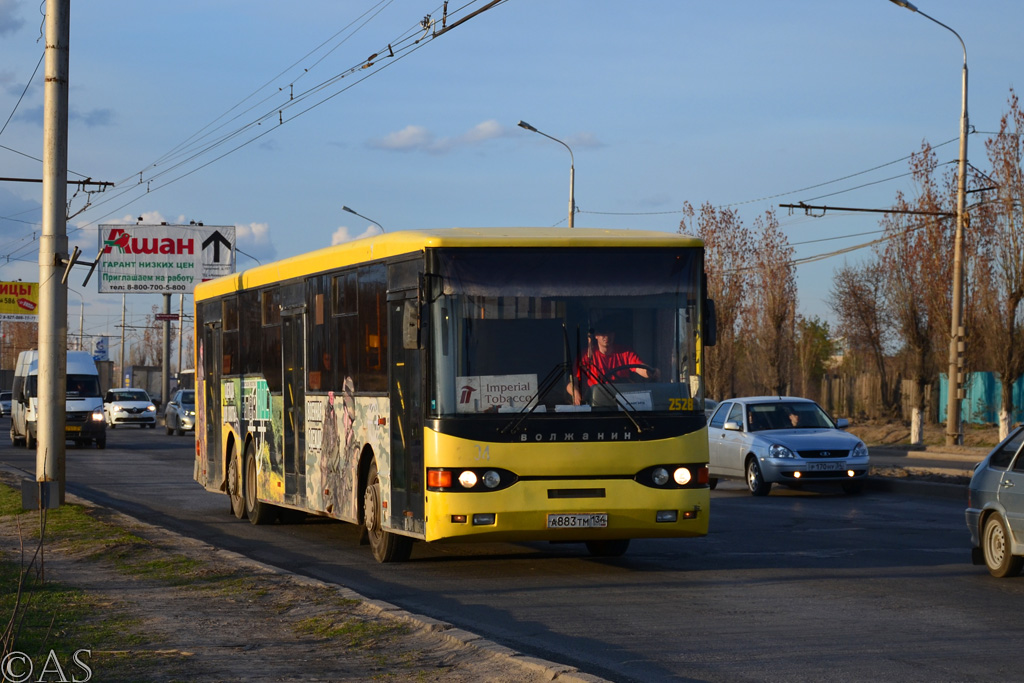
(565, 330)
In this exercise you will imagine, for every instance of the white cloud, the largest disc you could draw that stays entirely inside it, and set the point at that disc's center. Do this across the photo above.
(342, 235)
(409, 138)
(254, 240)
(145, 218)
(419, 139)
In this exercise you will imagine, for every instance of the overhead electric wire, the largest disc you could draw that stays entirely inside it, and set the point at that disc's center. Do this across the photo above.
(392, 54)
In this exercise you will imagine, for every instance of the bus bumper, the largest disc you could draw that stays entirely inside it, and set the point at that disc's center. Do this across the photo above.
(523, 512)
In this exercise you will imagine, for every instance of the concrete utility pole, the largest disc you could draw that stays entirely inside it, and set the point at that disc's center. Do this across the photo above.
(165, 369)
(954, 387)
(53, 249)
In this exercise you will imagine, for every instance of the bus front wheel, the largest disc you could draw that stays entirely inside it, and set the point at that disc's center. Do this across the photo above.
(386, 546)
(258, 512)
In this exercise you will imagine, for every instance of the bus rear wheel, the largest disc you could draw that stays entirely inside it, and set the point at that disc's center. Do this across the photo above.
(235, 487)
(386, 546)
(256, 511)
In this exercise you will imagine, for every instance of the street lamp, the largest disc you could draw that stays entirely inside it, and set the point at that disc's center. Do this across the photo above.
(572, 168)
(345, 208)
(954, 431)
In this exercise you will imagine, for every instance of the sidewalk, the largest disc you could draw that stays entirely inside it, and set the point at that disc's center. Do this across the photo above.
(174, 608)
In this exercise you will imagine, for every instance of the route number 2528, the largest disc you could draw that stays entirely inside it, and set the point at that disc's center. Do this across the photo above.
(680, 404)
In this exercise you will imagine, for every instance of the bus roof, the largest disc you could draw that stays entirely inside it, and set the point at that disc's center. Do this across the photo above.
(392, 244)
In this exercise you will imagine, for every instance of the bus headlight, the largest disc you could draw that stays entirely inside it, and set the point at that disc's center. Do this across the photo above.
(98, 417)
(491, 479)
(659, 476)
(682, 476)
(467, 479)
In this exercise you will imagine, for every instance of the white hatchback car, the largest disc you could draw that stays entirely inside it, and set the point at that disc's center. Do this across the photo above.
(129, 407)
(780, 439)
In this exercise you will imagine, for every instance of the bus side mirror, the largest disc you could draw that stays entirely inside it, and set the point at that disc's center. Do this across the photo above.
(709, 336)
(410, 324)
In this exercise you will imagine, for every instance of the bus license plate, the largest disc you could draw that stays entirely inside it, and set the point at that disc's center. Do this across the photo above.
(825, 466)
(592, 520)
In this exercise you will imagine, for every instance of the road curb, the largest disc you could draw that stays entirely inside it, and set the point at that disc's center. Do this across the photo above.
(914, 487)
(379, 608)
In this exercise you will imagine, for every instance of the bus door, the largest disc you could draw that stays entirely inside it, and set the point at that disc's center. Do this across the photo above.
(212, 349)
(405, 387)
(293, 355)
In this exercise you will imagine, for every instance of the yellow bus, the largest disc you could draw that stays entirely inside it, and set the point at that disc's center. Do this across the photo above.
(463, 385)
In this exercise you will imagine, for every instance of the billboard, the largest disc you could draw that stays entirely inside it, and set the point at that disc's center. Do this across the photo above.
(163, 259)
(19, 301)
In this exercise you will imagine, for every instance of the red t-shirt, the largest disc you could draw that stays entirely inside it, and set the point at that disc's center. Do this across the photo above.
(597, 364)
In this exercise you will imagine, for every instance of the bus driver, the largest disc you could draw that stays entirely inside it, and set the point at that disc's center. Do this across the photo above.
(606, 361)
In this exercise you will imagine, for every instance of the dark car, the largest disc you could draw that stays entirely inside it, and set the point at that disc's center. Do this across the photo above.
(995, 508)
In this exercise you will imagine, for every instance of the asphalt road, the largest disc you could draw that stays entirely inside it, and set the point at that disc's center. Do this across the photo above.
(798, 586)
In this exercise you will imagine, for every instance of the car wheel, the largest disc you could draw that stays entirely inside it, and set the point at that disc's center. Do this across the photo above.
(168, 427)
(179, 431)
(258, 512)
(713, 483)
(995, 544)
(112, 425)
(755, 481)
(386, 546)
(30, 441)
(613, 548)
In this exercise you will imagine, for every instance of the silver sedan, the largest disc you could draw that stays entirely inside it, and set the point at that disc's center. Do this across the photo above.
(772, 439)
(995, 508)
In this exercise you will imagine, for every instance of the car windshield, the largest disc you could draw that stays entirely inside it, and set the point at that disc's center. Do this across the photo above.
(81, 386)
(131, 396)
(786, 415)
(188, 398)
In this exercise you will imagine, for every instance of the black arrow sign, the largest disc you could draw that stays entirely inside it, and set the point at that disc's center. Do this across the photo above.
(216, 239)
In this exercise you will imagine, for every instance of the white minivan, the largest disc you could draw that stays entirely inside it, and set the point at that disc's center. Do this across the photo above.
(84, 420)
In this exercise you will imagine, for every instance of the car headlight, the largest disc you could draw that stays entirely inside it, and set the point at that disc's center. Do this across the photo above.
(151, 408)
(779, 451)
(859, 451)
(98, 417)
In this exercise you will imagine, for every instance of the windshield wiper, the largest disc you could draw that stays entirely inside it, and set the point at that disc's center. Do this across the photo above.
(545, 385)
(627, 408)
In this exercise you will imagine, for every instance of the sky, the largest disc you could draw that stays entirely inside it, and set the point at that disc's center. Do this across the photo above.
(271, 117)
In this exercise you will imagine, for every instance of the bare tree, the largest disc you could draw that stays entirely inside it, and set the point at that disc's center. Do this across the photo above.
(857, 298)
(999, 271)
(917, 265)
(727, 251)
(814, 347)
(771, 312)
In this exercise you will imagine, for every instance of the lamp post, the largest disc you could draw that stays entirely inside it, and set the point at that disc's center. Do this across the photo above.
(572, 168)
(345, 208)
(954, 431)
